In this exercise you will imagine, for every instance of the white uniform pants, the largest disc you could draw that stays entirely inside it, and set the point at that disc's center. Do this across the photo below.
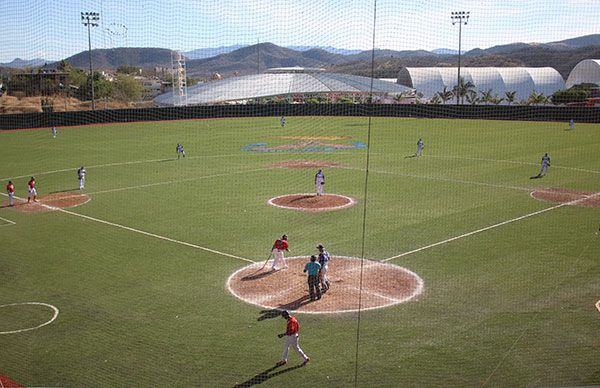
(323, 276)
(544, 169)
(319, 187)
(278, 258)
(419, 150)
(11, 197)
(81, 183)
(291, 340)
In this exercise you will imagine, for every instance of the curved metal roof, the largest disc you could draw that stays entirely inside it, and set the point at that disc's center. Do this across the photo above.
(277, 84)
(586, 71)
(522, 80)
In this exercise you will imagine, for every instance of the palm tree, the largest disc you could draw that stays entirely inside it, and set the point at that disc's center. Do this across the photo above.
(436, 99)
(510, 96)
(463, 88)
(537, 99)
(445, 94)
(486, 96)
(472, 97)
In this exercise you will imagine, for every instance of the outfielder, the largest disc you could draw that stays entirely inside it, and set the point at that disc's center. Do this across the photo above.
(31, 191)
(10, 189)
(54, 132)
(291, 338)
(571, 124)
(282, 121)
(81, 176)
(324, 261)
(545, 165)
(180, 151)
(279, 247)
(420, 147)
(319, 182)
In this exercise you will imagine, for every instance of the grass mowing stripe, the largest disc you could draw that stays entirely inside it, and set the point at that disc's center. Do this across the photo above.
(442, 179)
(142, 232)
(505, 355)
(491, 227)
(117, 164)
(510, 161)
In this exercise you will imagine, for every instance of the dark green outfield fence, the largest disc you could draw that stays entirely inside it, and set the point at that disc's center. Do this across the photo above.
(487, 112)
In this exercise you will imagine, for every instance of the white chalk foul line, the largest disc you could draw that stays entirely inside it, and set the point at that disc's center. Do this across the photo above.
(9, 222)
(490, 227)
(54, 308)
(117, 164)
(142, 232)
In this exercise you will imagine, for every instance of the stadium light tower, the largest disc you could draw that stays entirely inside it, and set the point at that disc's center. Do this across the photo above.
(90, 19)
(459, 17)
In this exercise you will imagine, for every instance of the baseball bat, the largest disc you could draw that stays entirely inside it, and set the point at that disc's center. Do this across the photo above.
(266, 261)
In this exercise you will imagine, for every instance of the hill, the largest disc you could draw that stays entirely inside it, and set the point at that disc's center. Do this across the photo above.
(113, 58)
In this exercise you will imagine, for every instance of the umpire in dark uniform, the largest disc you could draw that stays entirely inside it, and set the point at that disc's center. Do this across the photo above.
(313, 268)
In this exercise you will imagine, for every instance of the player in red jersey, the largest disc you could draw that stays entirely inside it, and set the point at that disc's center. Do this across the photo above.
(291, 338)
(10, 189)
(279, 247)
(32, 192)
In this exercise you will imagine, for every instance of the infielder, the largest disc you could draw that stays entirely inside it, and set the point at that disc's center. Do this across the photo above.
(31, 191)
(180, 150)
(545, 165)
(282, 121)
(324, 261)
(420, 147)
(54, 132)
(291, 338)
(319, 182)
(279, 247)
(81, 176)
(10, 189)
(571, 124)
(313, 268)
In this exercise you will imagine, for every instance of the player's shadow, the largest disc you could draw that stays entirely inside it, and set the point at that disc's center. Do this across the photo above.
(257, 275)
(266, 375)
(536, 176)
(269, 314)
(410, 156)
(296, 304)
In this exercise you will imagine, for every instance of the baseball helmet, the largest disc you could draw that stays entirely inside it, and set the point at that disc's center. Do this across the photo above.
(285, 313)
(284, 237)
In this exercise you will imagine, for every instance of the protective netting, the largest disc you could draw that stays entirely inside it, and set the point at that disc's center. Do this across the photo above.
(209, 130)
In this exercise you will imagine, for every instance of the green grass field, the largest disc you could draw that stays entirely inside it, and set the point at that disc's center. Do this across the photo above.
(513, 305)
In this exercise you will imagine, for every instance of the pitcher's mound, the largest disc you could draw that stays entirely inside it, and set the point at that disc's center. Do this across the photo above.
(558, 195)
(312, 202)
(383, 285)
(52, 202)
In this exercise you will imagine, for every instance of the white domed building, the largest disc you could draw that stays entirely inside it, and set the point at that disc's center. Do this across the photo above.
(428, 81)
(282, 82)
(585, 72)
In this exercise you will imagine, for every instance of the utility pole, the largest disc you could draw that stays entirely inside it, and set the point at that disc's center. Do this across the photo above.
(90, 19)
(459, 17)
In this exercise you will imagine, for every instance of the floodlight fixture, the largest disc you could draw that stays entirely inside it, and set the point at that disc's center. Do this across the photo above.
(90, 19)
(460, 17)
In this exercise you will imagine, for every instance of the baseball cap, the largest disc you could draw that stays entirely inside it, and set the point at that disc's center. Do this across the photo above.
(320, 246)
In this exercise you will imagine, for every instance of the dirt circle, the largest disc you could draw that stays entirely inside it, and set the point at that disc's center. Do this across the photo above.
(304, 164)
(558, 195)
(52, 202)
(309, 202)
(383, 285)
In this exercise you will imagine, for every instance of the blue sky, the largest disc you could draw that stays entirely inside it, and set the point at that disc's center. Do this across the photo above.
(51, 29)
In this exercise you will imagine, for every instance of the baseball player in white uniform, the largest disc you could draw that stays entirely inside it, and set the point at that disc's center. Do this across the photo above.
(420, 147)
(81, 175)
(545, 165)
(319, 182)
(324, 261)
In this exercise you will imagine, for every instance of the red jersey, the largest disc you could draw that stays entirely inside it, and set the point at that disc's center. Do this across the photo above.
(31, 184)
(10, 188)
(292, 326)
(282, 245)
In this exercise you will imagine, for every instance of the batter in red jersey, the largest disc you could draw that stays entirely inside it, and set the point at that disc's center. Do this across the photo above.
(279, 247)
(291, 338)
(10, 189)
(32, 192)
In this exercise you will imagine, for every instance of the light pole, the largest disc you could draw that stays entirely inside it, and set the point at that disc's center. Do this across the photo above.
(90, 19)
(459, 17)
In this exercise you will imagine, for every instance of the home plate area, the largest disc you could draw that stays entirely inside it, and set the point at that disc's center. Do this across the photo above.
(383, 285)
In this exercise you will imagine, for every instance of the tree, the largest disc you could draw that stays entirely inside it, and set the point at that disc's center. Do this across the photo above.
(472, 97)
(510, 96)
(436, 99)
(445, 94)
(573, 95)
(486, 96)
(462, 89)
(536, 98)
(127, 88)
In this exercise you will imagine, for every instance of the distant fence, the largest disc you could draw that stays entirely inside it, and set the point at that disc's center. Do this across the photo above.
(487, 112)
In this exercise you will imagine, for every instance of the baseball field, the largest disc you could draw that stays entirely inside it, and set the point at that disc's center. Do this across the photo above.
(475, 272)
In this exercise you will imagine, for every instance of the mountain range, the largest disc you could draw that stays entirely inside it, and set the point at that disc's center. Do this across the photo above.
(228, 60)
